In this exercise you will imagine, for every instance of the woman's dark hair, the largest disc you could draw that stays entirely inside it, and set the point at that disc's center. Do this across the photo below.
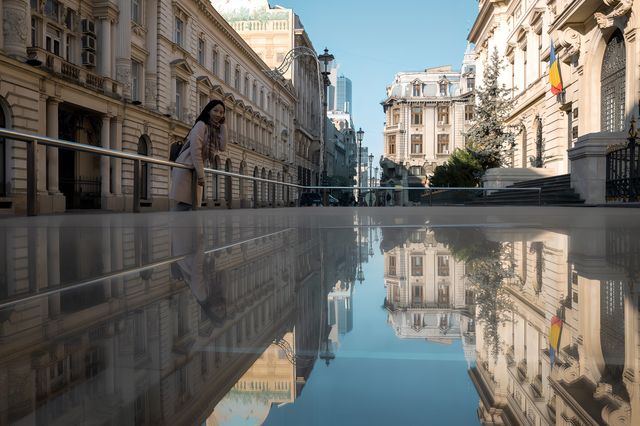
(204, 115)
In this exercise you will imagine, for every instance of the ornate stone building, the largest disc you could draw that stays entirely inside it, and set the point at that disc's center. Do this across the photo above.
(273, 32)
(133, 76)
(427, 115)
(597, 49)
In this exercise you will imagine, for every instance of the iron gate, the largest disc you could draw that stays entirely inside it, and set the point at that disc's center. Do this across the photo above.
(623, 166)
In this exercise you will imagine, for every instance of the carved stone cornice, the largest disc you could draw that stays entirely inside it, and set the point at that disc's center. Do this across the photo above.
(105, 9)
(622, 7)
(570, 40)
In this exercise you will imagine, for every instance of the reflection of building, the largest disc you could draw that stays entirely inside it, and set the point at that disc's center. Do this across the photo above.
(141, 347)
(340, 315)
(270, 380)
(428, 296)
(594, 380)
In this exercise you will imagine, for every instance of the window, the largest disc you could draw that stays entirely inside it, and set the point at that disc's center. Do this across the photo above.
(254, 93)
(52, 9)
(443, 115)
(136, 11)
(416, 266)
(416, 144)
(214, 61)
(396, 117)
(391, 144)
(53, 40)
(471, 83)
(416, 171)
(236, 79)
(417, 89)
(392, 265)
(246, 85)
(136, 73)
(179, 98)
(70, 48)
(261, 98)
(443, 266)
(201, 59)
(227, 70)
(70, 20)
(204, 100)
(416, 115)
(416, 294)
(443, 144)
(469, 111)
(143, 149)
(444, 88)
(179, 32)
(35, 32)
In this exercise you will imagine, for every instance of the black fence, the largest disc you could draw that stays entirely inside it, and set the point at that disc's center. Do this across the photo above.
(623, 167)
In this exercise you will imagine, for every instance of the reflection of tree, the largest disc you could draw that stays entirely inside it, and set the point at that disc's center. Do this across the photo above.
(489, 268)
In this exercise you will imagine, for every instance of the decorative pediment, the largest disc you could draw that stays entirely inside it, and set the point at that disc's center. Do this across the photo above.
(217, 89)
(229, 97)
(179, 11)
(181, 66)
(204, 81)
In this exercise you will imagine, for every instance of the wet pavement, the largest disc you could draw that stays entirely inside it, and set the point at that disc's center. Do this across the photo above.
(319, 316)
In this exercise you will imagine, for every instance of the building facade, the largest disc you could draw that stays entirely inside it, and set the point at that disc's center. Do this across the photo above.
(133, 77)
(272, 32)
(427, 116)
(597, 50)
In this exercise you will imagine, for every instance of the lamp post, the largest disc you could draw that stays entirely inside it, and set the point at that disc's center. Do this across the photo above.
(326, 58)
(370, 178)
(359, 136)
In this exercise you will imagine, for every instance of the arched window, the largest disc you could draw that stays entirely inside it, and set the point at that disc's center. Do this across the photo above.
(612, 91)
(143, 149)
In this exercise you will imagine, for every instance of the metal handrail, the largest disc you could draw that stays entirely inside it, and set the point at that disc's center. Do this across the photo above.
(33, 140)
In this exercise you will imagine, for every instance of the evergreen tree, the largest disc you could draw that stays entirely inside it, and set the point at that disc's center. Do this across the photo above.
(462, 169)
(490, 139)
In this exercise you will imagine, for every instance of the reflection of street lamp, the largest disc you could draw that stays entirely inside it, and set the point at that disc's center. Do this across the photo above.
(325, 59)
(375, 176)
(370, 170)
(326, 354)
(359, 136)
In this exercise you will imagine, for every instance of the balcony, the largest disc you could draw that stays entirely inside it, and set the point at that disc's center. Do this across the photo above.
(71, 72)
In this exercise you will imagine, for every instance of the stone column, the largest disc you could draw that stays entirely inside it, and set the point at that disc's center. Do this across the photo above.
(123, 48)
(15, 28)
(116, 163)
(42, 149)
(151, 67)
(104, 66)
(105, 162)
(52, 152)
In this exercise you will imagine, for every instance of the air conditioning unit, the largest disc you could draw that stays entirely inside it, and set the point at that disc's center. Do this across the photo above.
(89, 42)
(88, 26)
(88, 58)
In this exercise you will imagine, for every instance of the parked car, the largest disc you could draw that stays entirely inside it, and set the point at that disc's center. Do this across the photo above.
(310, 199)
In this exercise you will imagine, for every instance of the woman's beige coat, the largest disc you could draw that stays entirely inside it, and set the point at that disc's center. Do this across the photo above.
(193, 156)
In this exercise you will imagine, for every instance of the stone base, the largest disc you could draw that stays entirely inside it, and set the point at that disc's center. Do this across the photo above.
(503, 177)
(113, 203)
(589, 165)
(246, 204)
(150, 205)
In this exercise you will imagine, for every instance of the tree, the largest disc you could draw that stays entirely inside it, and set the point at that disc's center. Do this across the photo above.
(490, 140)
(462, 169)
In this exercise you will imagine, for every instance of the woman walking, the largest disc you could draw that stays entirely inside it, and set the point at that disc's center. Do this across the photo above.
(206, 138)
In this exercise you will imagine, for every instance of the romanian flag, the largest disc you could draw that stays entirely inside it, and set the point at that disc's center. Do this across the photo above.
(554, 338)
(554, 73)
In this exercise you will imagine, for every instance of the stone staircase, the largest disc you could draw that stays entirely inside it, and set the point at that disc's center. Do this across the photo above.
(556, 190)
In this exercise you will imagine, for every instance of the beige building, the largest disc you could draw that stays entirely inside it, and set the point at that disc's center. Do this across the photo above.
(597, 50)
(427, 115)
(272, 32)
(133, 77)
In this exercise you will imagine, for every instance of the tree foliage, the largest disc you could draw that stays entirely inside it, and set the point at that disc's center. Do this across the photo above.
(462, 169)
(490, 139)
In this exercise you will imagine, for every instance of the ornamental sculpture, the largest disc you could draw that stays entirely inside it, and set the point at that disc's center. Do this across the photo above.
(622, 7)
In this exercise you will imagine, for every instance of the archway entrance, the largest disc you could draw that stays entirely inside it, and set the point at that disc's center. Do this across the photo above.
(612, 91)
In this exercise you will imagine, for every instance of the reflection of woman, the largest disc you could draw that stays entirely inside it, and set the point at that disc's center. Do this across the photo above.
(199, 272)
(206, 138)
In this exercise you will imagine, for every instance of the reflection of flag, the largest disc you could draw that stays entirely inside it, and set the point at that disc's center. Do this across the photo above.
(554, 338)
(554, 73)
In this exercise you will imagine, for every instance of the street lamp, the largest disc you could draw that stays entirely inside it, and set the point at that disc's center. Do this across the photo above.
(359, 136)
(326, 58)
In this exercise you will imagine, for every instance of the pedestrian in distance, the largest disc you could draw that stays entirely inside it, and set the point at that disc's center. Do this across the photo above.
(207, 137)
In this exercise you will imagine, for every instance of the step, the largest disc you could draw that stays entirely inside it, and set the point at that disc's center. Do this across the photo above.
(542, 181)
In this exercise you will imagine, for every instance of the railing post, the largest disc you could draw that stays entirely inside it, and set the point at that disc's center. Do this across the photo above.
(194, 189)
(136, 185)
(539, 196)
(32, 178)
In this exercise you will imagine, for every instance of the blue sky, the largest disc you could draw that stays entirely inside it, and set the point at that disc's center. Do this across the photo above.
(373, 41)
